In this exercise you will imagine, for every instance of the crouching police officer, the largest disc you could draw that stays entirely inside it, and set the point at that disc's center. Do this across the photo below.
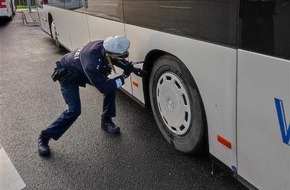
(90, 64)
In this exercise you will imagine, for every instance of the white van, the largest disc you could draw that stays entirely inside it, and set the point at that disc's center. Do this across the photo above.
(7, 8)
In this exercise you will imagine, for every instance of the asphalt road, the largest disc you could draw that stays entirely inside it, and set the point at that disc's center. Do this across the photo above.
(85, 158)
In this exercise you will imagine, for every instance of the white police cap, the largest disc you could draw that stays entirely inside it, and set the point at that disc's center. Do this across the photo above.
(118, 45)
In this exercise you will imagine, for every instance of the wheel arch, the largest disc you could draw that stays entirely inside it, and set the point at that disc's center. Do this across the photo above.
(149, 61)
(50, 20)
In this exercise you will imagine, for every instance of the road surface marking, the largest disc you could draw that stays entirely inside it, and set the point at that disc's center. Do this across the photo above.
(9, 177)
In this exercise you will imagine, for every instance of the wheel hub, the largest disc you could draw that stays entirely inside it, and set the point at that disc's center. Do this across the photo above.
(173, 103)
(170, 104)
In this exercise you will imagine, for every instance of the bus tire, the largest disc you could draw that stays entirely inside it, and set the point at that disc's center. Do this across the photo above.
(177, 105)
(54, 35)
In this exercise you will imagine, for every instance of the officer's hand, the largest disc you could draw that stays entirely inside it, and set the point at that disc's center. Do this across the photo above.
(120, 63)
(128, 70)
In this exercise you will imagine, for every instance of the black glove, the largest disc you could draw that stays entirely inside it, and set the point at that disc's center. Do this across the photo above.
(106, 70)
(128, 70)
(120, 63)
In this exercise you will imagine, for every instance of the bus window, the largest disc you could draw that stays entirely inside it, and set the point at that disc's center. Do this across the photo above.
(39, 3)
(85, 3)
(207, 20)
(111, 10)
(56, 3)
(73, 4)
(265, 27)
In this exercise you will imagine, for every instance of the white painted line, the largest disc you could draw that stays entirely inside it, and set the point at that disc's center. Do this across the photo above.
(9, 177)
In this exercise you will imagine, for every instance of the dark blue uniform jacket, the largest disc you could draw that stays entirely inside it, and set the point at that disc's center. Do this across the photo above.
(88, 63)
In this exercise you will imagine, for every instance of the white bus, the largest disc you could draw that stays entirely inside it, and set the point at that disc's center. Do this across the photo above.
(219, 73)
(7, 9)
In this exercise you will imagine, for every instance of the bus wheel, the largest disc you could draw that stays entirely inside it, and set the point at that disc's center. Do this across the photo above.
(54, 34)
(176, 104)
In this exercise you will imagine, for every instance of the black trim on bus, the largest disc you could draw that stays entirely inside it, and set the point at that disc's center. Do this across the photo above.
(132, 97)
(45, 31)
(219, 167)
(246, 183)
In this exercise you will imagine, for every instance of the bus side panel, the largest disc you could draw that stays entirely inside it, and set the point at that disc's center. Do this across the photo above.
(214, 69)
(43, 18)
(140, 46)
(61, 23)
(100, 28)
(263, 120)
(78, 27)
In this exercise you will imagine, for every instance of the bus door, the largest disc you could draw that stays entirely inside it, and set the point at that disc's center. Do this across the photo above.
(263, 120)
(263, 95)
(42, 13)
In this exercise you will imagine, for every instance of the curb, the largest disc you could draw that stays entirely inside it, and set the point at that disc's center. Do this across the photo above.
(28, 20)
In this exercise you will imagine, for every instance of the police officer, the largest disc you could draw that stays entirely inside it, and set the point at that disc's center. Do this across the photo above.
(90, 64)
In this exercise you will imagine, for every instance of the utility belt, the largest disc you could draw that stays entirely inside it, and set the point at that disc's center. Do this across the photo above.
(60, 73)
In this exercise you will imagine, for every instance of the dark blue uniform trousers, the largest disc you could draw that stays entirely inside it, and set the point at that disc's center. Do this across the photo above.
(71, 96)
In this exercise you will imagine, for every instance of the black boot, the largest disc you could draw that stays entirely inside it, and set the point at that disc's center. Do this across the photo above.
(43, 148)
(108, 125)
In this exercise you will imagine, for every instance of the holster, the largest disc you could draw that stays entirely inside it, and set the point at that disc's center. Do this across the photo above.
(60, 73)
